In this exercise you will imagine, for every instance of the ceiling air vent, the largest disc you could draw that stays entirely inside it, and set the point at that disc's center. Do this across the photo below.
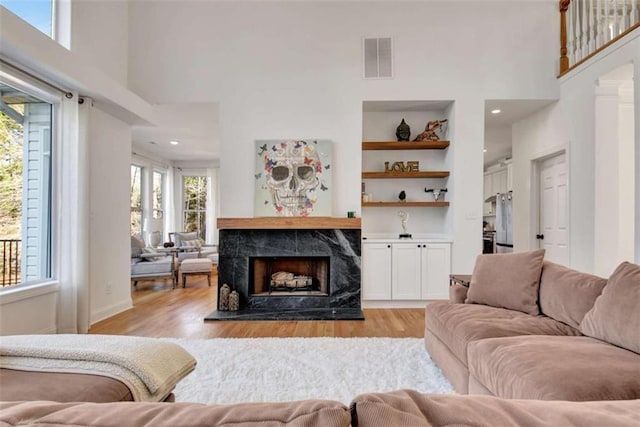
(377, 58)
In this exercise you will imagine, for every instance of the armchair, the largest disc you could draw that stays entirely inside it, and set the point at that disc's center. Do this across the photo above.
(148, 264)
(189, 247)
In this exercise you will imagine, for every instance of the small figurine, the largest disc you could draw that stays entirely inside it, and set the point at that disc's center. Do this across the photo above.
(404, 217)
(436, 193)
(429, 133)
(403, 131)
(234, 301)
(402, 196)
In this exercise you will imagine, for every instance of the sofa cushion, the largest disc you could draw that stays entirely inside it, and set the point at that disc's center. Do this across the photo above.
(567, 295)
(555, 368)
(136, 246)
(615, 317)
(410, 408)
(159, 266)
(61, 387)
(507, 281)
(457, 325)
(304, 413)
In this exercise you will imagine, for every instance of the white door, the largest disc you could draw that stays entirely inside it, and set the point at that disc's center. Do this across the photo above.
(436, 268)
(406, 271)
(376, 271)
(554, 214)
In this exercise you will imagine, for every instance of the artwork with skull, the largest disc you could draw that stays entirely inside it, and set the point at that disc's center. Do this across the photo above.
(293, 178)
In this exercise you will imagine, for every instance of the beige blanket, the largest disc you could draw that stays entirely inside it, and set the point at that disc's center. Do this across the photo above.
(149, 367)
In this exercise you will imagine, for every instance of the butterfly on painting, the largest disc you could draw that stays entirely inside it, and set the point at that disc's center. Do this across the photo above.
(263, 149)
(258, 175)
(323, 187)
(307, 161)
(266, 202)
(315, 142)
(327, 167)
(298, 145)
(273, 147)
(271, 163)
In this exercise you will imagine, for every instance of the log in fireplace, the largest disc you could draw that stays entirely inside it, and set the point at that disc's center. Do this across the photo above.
(281, 276)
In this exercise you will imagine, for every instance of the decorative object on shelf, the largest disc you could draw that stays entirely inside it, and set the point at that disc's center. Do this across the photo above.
(436, 193)
(412, 166)
(404, 217)
(168, 244)
(234, 301)
(430, 131)
(403, 131)
(351, 214)
(293, 178)
(367, 197)
(225, 290)
(402, 196)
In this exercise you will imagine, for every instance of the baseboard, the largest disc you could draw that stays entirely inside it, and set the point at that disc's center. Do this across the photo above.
(46, 331)
(396, 304)
(111, 310)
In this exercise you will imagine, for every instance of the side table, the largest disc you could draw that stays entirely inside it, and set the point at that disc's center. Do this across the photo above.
(458, 287)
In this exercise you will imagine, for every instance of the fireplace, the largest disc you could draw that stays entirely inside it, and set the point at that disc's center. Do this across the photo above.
(291, 268)
(282, 276)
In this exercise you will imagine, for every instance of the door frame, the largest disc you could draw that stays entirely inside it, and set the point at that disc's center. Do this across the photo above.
(534, 224)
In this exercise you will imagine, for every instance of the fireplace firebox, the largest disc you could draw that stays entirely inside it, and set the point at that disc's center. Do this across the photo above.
(281, 276)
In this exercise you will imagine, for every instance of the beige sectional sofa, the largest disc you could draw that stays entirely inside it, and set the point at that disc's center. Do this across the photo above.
(548, 333)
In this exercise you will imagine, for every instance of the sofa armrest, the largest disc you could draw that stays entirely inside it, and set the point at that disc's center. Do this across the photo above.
(457, 293)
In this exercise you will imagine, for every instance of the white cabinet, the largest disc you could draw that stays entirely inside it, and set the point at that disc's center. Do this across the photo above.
(415, 270)
(509, 177)
(499, 180)
(376, 271)
(488, 186)
(406, 270)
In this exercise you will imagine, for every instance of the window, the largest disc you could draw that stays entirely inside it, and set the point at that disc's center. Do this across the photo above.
(25, 187)
(194, 193)
(158, 185)
(38, 13)
(136, 200)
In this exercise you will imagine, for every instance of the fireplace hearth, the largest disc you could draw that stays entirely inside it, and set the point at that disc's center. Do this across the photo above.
(291, 273)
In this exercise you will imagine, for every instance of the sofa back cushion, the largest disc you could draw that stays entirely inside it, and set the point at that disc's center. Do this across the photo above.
(566, 295)
(615, 316)
(507, 281)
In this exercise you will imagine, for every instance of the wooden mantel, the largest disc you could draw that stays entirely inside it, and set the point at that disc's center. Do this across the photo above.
(280, 223)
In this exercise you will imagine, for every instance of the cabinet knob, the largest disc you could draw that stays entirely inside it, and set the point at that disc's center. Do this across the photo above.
(388, 246)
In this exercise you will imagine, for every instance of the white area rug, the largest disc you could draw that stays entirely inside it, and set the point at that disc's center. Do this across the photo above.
(234, 370)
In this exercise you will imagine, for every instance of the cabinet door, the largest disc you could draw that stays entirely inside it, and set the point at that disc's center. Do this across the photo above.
(406, 271)
(500, 181)
(376, 271)
(509, 177)
(487, 208)
(488, 185)
(436, 268)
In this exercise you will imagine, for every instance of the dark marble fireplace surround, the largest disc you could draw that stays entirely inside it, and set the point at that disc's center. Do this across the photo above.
(342, 247)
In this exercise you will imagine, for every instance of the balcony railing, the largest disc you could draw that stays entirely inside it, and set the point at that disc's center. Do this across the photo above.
(10, 259)
(588, 26)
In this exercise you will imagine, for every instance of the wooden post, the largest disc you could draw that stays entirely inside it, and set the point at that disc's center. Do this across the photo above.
(564, 59)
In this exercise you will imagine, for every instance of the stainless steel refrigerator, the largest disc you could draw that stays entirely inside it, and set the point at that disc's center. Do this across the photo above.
(504, 223)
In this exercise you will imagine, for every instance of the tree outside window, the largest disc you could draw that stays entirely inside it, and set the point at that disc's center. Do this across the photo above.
(158, 184)
(136, 200)
(194, 190)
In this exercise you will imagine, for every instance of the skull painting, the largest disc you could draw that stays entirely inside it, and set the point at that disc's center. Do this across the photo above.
(292, 171)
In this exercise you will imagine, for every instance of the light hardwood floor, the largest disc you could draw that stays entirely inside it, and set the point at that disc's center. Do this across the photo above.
(160, 311)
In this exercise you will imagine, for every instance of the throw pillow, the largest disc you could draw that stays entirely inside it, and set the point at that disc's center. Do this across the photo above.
(136, 246)
(615, 317)
(567, 295)
(507, 281)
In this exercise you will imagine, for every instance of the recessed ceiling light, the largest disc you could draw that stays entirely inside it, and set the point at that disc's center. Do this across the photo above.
(174, 142)
(484, 151)
(496, 111)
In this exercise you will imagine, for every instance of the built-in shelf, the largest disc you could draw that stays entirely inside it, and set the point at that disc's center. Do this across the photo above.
(410, 204)
(405, 145)
(421, 174)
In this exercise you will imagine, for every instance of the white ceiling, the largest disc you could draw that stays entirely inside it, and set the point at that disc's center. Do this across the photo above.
(390, 106)
(497, 134)
(195, 126)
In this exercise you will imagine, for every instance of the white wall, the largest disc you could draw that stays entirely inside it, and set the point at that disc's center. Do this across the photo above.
(293, 70)
(569, 124)
(109, 242)
(100, 35)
